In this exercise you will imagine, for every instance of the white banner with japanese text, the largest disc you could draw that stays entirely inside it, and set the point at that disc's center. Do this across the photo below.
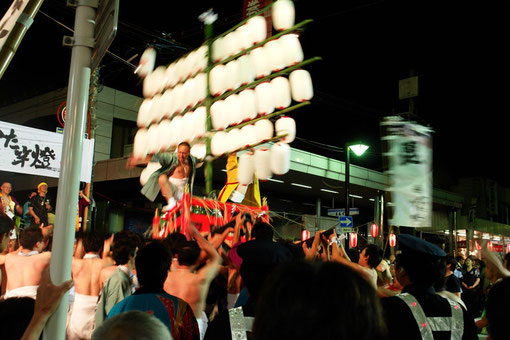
(9, 19)
(409, 152)
(37, 152)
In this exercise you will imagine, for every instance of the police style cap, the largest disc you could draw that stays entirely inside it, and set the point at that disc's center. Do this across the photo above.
(414, 244)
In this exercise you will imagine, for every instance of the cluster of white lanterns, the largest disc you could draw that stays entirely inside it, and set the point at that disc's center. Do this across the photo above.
(173, 110)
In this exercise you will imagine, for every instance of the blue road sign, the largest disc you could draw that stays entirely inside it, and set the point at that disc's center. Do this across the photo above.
(345, 221)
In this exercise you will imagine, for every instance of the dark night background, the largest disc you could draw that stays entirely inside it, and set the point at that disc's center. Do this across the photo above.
(366, 46)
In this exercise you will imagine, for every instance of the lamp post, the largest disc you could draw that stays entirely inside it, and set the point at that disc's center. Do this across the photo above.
(358, 149)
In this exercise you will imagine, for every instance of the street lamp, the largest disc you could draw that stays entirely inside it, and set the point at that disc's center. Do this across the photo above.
(358, 149)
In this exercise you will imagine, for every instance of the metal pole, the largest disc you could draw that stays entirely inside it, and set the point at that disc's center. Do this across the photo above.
(21, 27)
(67, 194)
(318, 212)
(347, 179)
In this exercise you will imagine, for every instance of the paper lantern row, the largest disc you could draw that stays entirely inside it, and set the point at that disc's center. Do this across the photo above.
(253, 31)
(264, 99)
(248, 104)
(226, 142)
(173, 101)
(274, 56)
(264, 163)
(169, 133)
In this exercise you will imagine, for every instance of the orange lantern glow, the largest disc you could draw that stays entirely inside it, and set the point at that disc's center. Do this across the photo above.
(393, 240)
(489, 246)
(477, 245)
(374, 230)
(353, 240)
(508, 248)
(305, 235)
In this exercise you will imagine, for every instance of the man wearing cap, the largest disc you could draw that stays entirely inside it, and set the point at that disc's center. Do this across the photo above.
(39, 205)
(9, 205)
(418, 312)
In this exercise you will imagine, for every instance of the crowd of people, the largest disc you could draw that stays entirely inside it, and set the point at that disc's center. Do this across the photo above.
(240, 282)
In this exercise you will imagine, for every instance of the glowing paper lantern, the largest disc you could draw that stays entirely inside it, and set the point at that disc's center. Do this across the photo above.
(263, 163)
(218, 80)
(218, 143)
(140, 144)
(147, 62)
(165, 130)
(178, 99)
(257, 28)
(305, 235)
(244, 36)
(508, 248)
(201, 59)
(149, 86)
(248, 135)
(189, 93)
(167, 104)
(232, 75)
(155, 111)
(233, 106)
(283, 14)
(180, 69)
(281, 92)
(265, 101)
(199, 151)
(392, 240)
(170, 76)
(143, 119)
(218, 50)
(353, 240)
(246, 70)
(286, 125)
(489, 246)
(188, 132)
(374, 230)
(153, 138)
(232, 43)
(248, 100)
(291, 49)
(478, 247)
(275, 55)
(176, 135)
(280, 158)
(200, 121)
(301, 85)
(233, 140)
(264, 130)
(260, 61)
(219, 115)
(148, 170)
(201, 87)
(246, 168)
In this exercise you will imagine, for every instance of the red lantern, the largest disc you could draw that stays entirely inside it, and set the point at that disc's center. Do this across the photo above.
(489, 246)
(305, 235)
(375, 230)
(508, 248)
(353, 240)
(477, 245)
(393, 240)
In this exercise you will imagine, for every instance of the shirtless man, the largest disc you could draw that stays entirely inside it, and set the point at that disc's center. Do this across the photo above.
(171, 178)
(24, 267)
(86, 276)
(190, 284)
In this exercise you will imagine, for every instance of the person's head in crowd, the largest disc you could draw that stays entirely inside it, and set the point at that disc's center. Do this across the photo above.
(469, 262)
(31, 238)
(496, 310)
(420, 262)
(124, 249)
(460, 260)
(42, 188)
(258, 261)
(15, 315)
(506, 261)
(353, 254)
(371, 256)
(6, 188)
(152, 264)
(319, 300)
(451, 263)
(262, 231)
(295, 249)
(132, 325)
(6, 225)
(93, 242)
(188, 253)
(174, 241)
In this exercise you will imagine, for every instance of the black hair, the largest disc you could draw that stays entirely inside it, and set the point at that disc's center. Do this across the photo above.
(30, 236)
(262, 231)
(375, 255)
(152, 264)
(93, 242)
(185, 144)
(450, 260)
(298, 297)
(174, 241)
(188, 253)
(124, 245)
(420, 268)
(15, 315)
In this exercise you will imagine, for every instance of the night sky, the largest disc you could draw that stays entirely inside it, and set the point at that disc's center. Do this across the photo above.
(366, 46)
